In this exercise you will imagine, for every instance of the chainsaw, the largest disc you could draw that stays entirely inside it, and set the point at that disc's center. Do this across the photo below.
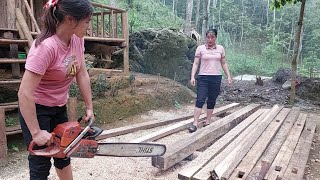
(72, 140)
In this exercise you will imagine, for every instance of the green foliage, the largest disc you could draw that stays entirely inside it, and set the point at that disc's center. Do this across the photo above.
(280, 3)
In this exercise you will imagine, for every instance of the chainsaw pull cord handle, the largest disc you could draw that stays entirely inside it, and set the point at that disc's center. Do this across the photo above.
(51, 150)
(77, 139)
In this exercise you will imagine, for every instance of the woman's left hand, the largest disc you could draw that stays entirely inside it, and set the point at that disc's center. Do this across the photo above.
(229, 81)
(89, 115)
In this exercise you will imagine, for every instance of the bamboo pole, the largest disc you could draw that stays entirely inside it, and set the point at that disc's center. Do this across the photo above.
(99, 39)
(22, 36)
(107, 7)
(13, 41)
(30, 11)
(3, 140)
(125, 35)
(24, 27)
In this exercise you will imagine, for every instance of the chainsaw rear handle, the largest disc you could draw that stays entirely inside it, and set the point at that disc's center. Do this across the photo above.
(50, 151)
(89, 123)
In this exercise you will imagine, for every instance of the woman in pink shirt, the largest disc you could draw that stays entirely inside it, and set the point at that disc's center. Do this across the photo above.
(55, 59)
(212, 60)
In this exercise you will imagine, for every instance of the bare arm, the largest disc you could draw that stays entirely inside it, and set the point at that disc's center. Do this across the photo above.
(84, 84)
(27, 107)
(226, 69)
(194, 70)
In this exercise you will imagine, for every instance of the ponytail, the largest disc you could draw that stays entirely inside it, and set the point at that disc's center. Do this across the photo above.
(55, 12)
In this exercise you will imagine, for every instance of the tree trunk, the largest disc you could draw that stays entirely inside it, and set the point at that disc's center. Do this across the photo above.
(205, 20)
(214, 6)
(295, 53)
(268, 4)
(197, 16)
(241, 23)
(187, 25)
(208, 13)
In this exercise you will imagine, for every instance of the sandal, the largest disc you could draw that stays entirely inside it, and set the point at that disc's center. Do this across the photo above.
(192, 128)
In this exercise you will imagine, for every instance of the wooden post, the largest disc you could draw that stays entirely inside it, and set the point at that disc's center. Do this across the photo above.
(24, 27)
(97, 35)
(31, 15)
(15, 67)
(112, 23)
(102, 24)
(116, 25)
(3, 140)
(125, 35)
(72, 108)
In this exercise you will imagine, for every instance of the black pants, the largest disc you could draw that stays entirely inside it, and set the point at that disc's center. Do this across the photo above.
(49, 118)
(208, 88)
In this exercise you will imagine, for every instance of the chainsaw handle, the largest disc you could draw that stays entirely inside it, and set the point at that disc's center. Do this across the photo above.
(89, 123)
(50, 151)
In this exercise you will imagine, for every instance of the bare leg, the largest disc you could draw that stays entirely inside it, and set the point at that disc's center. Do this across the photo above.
(197, 113)
(209, 116)
(65, 173)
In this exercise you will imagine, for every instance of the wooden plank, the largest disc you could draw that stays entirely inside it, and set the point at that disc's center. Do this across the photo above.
(251, 158)
(136, 127)
(263, 165)
(72, 108)
(11, 60)
(194, 166)
(280, 163)
(3, 140)
(181, 149)
(100, 39)
(229, 158)
(297, 164)
(10, 82)
(94, 71)
(10, 130)
(13, 41)
(182, 125)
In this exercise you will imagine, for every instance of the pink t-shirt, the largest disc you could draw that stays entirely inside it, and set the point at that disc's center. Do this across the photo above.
(56, 63)
(210, 59)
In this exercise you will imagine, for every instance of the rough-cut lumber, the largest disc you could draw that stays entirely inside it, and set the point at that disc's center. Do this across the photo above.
(251, 158)
(13, 41)
(181, 125)
(12, 60)
(177, 151)
(136, 127)
(13, 130)
(263, 165)
(3, 140)
(194, 166)
(295, 169)
(280, 163)
(24, 27)
(125, 35)
(225, 167)
(10, 82)
(72, 109)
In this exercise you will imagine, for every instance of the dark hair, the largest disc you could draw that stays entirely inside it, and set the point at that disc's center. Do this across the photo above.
(79, 9)
(215, 31)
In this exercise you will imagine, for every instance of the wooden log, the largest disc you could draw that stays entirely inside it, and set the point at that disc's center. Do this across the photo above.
(14, 41)
(251, 158)
(195, 166)
(297, 164)
(181, 125)
(107, 7)
(15, 67)
(177, 151)
(22, 36)
(12, 60)
(136, 127)
(125, 35)
(232, 155)
(24, 27)
(99, 39)
(72, 109)
(31, 15)
(3, 140)
(263, 165)
(280, 163)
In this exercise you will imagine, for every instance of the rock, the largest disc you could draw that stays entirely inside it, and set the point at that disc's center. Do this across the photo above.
(286, 85)
(282, 75)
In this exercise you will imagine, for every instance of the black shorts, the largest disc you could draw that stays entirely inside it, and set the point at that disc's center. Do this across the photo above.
(49, 118)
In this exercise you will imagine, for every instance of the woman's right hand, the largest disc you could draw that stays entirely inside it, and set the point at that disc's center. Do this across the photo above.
(193, 81)
(42, 138)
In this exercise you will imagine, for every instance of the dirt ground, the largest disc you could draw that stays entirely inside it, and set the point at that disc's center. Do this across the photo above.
(140, 168)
